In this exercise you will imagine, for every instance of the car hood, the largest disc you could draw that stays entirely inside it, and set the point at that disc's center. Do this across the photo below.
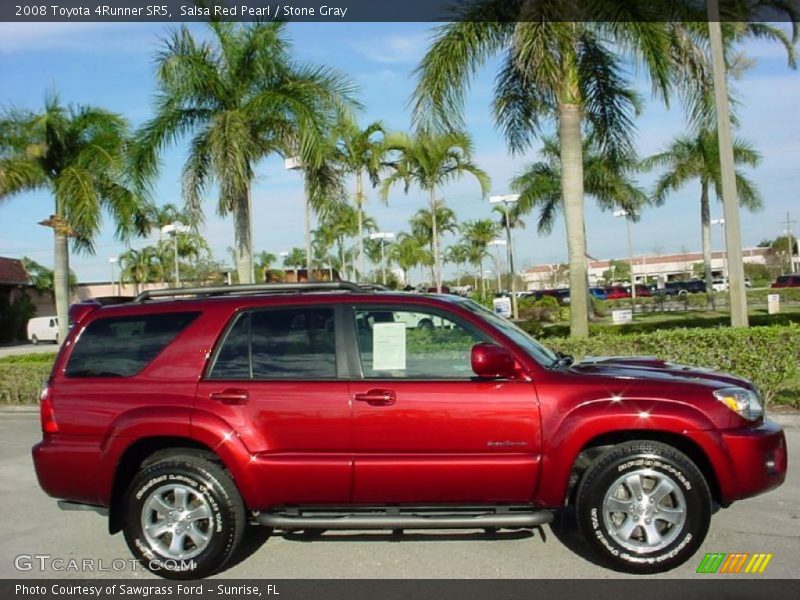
(649, 368)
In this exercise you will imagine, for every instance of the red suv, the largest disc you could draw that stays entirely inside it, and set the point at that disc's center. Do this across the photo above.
(317, 406)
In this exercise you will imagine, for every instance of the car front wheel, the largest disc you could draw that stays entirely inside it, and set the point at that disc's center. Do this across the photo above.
(184, 517)
(643, 507)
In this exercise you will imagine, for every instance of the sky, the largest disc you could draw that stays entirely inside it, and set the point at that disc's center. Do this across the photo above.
(110, 65)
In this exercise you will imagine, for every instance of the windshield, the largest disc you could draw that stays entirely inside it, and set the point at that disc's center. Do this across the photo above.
(539, 353)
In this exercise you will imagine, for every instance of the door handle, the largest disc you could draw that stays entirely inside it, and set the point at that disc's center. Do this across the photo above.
(231, 396)
(377, 397)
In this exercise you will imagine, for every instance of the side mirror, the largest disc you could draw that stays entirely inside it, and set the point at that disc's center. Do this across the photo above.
(493, 362)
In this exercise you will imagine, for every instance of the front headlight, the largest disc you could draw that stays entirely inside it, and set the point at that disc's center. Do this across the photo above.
(744, 402)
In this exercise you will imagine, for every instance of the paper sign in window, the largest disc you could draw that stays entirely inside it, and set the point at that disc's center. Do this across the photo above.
(389, 346)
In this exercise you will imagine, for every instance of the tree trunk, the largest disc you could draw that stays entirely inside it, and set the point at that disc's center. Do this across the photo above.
(437, 267)
(705, 223)
(61, 282)
(360, 213)
(243, 243)
(569, 135)
(307, 221)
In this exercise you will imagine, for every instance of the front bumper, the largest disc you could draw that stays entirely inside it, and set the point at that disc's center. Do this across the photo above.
(758, 459)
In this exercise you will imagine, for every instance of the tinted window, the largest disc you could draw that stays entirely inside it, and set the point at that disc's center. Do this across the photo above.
(279, 344)
(414, 345)
(123, 346)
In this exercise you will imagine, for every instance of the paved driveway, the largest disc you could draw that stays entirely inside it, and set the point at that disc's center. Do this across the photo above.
(33, 525)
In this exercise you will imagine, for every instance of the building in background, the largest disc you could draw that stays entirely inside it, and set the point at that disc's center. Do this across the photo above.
(664, 267)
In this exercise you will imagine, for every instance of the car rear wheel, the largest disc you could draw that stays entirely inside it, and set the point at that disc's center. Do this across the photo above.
(643, 507)
(184, 517)
(34, 340)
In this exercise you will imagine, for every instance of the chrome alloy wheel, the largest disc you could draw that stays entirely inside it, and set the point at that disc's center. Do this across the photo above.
(644, 510)
(177, 521)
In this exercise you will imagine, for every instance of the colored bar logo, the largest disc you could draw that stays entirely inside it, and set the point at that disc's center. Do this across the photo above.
(733, 563)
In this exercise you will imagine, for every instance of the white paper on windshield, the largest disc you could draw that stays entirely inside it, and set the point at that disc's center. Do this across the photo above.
(389, 346)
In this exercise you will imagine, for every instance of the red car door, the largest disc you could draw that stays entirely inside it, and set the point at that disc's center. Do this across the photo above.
(274, 381)
(425, 430)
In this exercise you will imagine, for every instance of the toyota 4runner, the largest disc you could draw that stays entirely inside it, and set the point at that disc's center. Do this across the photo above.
(188, 415)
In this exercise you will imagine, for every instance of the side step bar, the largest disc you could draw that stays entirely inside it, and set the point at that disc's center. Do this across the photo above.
(410, 521)
(68, 505)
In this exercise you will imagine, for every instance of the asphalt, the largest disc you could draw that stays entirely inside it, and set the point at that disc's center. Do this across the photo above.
(32, 526)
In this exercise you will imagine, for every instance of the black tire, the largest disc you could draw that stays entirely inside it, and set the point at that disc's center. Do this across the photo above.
(648, 533)
(34, 340)
(200, 487)
(426, 325)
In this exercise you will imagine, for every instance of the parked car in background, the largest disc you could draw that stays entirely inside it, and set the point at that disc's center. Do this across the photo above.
(560, 294)
(43, 329)
(681, 288)
(787, 281)
(598, 293)
(617, 292)
(720, 285)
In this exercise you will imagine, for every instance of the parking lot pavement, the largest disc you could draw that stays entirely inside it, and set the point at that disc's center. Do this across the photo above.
(33, 526)
(15, 349)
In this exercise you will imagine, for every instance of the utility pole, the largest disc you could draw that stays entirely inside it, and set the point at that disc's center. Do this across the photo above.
(789, 223)
(733, 234)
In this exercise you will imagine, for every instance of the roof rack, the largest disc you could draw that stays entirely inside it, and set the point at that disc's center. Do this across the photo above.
(222, 290)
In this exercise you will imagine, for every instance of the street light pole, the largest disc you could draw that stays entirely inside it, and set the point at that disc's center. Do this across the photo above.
(506, 200)
(721, 223)
(112, 261)
(627, 216)
(382, 236)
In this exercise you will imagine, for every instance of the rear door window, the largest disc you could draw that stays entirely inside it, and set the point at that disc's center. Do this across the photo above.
(279, 344)
(123, 346)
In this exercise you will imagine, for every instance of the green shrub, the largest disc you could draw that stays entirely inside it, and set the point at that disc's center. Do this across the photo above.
(20, 383)
(32, 358)
(768, 356)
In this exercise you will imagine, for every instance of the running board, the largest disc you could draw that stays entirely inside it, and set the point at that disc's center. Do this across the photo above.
(513, 520)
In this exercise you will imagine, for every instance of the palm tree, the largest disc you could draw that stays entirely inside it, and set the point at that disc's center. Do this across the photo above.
(241, 97)
(696, 156)
(610, 182)
(476, 235)
(295, 259)
(78, 154)
(457, 254)
(263, 263)
(141, 266)
(424, 223)
(430, 160)
(361, 152)
(408, 252)
(563, 64)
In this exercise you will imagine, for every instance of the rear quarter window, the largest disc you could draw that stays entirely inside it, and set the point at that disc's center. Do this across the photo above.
(123, 346)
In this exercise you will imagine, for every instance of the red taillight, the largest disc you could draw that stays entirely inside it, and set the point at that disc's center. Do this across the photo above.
(46, 414)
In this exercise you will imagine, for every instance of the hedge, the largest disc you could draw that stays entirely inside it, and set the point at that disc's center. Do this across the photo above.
(768, 356)
(21, 382)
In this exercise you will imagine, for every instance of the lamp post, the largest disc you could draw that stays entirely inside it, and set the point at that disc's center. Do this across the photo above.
(483, 279)
(382, 236)
(295, 164)
(497, 244)
(112, 261)
(627, 215)
(506, 200)
(174, 229)
(721, 223)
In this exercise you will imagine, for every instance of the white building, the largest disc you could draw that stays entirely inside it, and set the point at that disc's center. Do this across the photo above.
(663, 266)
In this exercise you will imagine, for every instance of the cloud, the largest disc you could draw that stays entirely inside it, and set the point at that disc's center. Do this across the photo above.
(88, 37)
(393, 49)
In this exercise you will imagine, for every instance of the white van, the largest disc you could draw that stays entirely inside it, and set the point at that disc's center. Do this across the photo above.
(43, 329)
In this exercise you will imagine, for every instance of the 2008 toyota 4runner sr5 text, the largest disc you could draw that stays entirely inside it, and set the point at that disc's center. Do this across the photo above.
(188, 415)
